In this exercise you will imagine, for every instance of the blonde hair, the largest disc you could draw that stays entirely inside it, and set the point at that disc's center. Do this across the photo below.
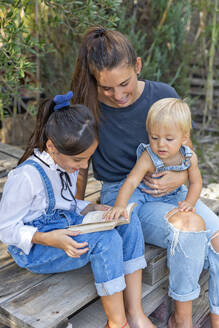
(168, 110)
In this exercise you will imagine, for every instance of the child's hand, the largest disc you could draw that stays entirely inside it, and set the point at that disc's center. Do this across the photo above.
(115, 212)
(61, 238)
(185, 206)
(94, 207)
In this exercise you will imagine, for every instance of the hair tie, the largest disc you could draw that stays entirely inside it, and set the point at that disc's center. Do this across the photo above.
(62, 100)
(100, 32)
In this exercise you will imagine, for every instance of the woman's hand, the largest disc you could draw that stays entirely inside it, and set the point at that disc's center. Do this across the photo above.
(115, 212)
(62, 238)
(167, 182)
(94, 207)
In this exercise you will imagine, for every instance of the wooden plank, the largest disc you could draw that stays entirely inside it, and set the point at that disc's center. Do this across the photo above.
(202, 82)
(15, 280)
(93, 316)
(93, 189)
(195, 91)
(213, 204)
(12, 151)
(152, 251)
(155, 298)
(3, 326)
(5, 257)
(48, 303)
(7, 161)
(156, 269)
(200, 306)
(3, 171)
(21, 279)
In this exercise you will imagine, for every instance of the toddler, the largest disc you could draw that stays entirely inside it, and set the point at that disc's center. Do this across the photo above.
(168, 125)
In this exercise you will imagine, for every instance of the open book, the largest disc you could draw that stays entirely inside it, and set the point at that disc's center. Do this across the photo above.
(93, 221)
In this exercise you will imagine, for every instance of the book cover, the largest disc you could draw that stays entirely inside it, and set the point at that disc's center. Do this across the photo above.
(93, 221)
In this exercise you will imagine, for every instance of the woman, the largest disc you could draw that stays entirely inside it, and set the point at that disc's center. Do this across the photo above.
(106, 79)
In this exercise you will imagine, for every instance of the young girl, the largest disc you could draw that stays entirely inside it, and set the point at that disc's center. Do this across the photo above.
(168, 125)
(106, 79)
(38, 205)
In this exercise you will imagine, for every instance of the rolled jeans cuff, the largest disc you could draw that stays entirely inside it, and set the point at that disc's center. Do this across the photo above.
(184, 298)
(134, 265)
(111, 287)
(213, 309)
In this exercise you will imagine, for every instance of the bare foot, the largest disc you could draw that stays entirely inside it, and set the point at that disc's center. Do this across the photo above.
(173, 323)
(126, 325)
(139, 321)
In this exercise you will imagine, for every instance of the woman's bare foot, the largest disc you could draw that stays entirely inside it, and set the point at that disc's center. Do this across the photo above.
(171, 322)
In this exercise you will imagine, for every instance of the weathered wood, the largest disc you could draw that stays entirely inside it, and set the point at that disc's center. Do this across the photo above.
(212, 204)
(93, 189)
(195, 91)
(156, 269)
(7, 161)
(49, 302)
(2, 325)
(202, 82)
(3, 171)
(15, 280)
(5, 258)
(11, 151)
(200, 305)
(23, 287)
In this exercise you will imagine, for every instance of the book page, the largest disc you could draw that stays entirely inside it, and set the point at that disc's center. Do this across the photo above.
(93, 227)
(97, 216)
(93, 221)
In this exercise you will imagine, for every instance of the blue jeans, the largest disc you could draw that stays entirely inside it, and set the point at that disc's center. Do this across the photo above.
(187, 252)
(112, 253)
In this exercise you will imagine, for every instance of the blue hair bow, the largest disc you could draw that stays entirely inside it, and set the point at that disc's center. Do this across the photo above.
(62, 100)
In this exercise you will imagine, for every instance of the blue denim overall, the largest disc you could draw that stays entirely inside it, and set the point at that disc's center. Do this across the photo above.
(112, 254)
(187, 252)
(160, 167)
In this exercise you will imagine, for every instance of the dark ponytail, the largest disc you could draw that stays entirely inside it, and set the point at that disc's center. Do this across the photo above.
(71, 129)
(100, 49)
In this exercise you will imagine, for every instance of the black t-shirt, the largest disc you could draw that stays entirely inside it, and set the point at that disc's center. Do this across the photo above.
(121, 130)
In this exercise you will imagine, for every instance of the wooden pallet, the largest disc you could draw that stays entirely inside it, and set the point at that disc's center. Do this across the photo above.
(29, 300)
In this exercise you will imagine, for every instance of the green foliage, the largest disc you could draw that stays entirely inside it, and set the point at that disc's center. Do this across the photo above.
(158, 33)
(17, 47)
(39, 41)
(62, 26)
(42, 37)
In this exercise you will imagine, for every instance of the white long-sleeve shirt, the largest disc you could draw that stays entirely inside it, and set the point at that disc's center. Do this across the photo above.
(25, 199)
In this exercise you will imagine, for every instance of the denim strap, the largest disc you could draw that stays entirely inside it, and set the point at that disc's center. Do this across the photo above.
(158, 163)
(47, 183)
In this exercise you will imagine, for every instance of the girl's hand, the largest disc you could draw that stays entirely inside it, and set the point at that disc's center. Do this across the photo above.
(115, 212)
(185, 206)
(167, 182)
(62, 238)
(94, 207)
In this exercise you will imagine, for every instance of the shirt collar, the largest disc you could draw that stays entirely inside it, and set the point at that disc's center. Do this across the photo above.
(45, 157)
